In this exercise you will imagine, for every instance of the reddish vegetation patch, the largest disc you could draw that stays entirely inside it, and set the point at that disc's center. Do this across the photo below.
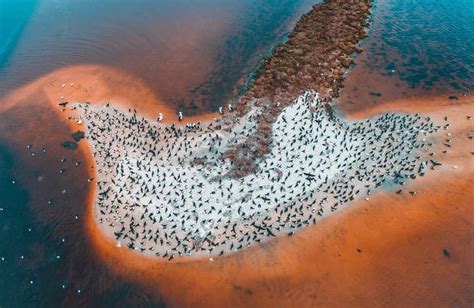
(316, 53)
(315, 56)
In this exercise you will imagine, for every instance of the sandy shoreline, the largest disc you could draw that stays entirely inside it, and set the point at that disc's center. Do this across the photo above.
(354, 159)
(402, 234)
(402, 250)
(98, 85)
(312, 254)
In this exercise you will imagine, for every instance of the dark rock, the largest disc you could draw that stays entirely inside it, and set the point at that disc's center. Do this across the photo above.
(78, 135)
(446, 253)
(71, 145)
(378, 94)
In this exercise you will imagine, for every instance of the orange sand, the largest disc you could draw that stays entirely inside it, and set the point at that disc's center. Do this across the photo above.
(98, 85)
(401, 238)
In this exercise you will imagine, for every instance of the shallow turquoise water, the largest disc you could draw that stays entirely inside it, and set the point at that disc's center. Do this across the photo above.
(429, 44)
(13, 18)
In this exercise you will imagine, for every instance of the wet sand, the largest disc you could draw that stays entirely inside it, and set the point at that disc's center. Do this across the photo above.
(401, 238)
(44, 125)
(97, 85)
(42, 182)
(173, 48)
(395, 250)
(175, 186)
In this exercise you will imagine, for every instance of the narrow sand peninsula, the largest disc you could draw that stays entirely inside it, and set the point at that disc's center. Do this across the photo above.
(397, 249)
